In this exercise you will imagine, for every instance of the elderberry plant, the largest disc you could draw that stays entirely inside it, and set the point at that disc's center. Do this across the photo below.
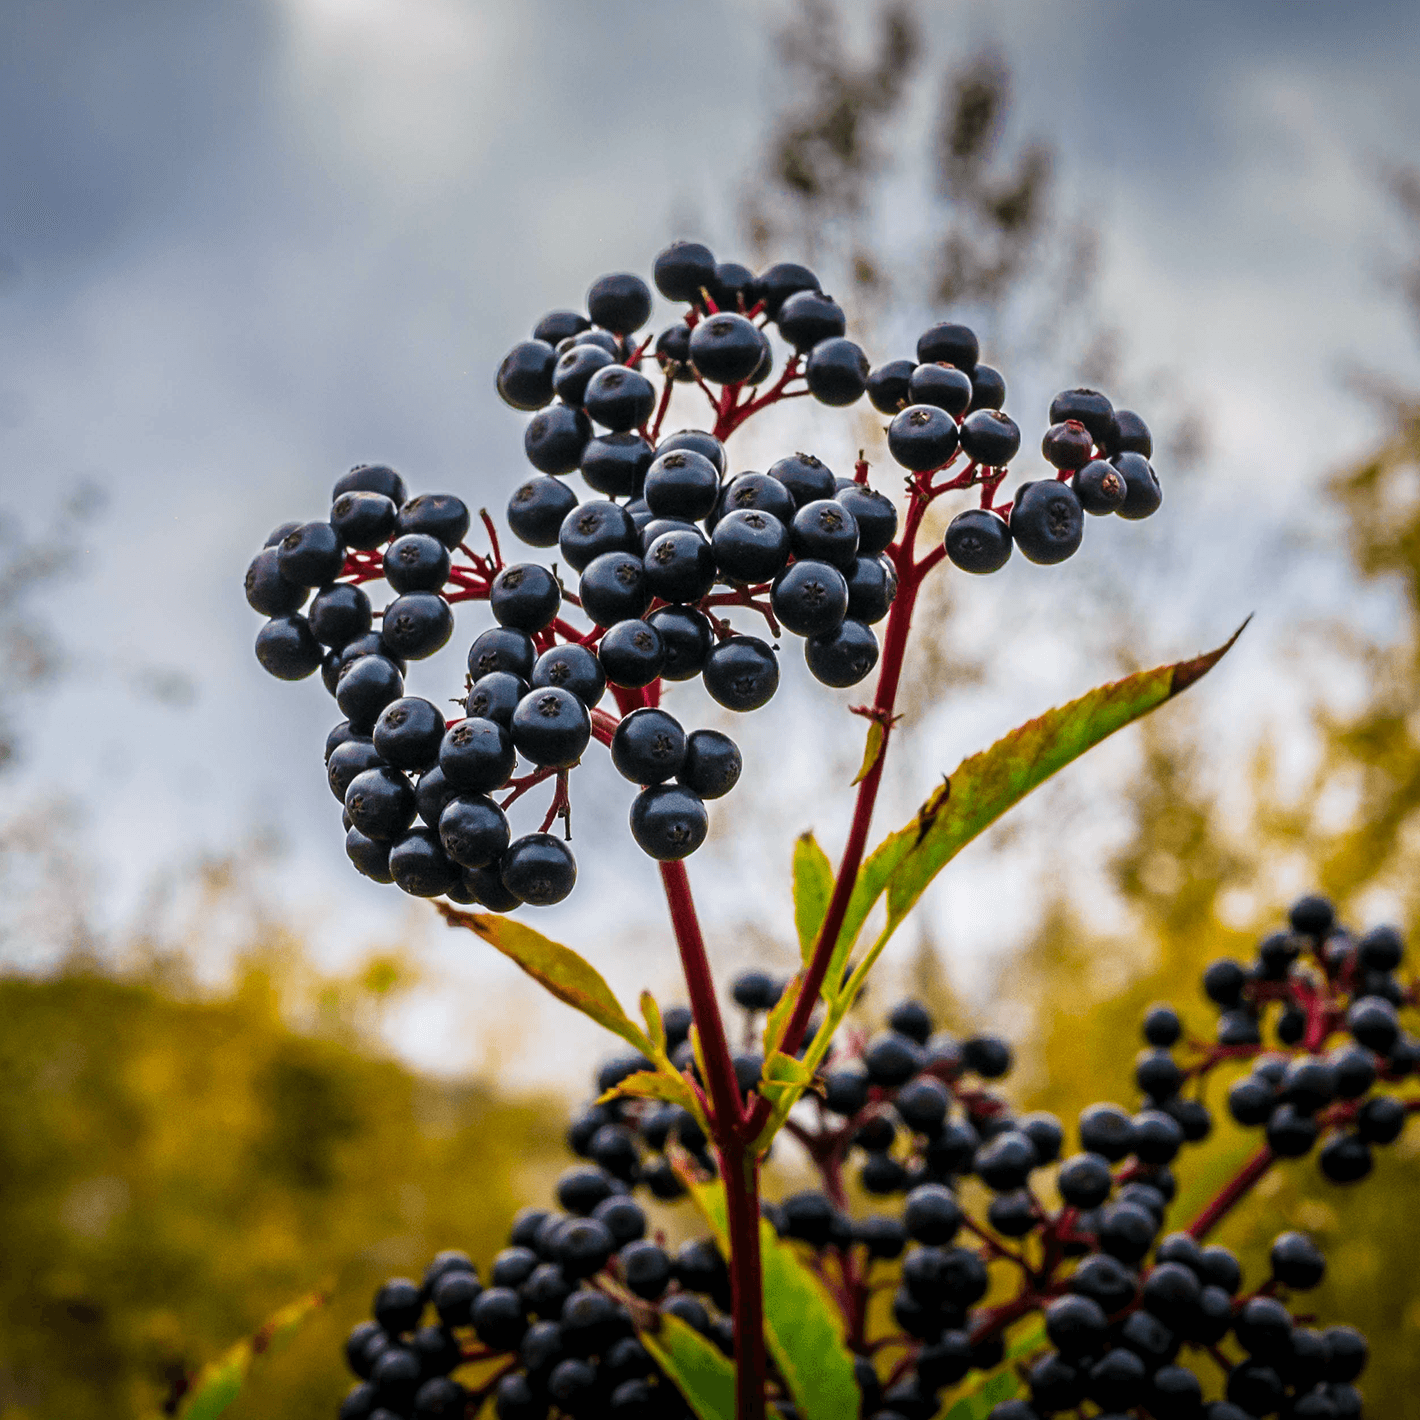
(588, 1312)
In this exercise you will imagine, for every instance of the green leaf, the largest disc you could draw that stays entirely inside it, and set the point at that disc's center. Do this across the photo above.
(659, 1085)
(557, 968)
(974, 797)
(813, 886)
(219, 1383)
(703, 1374)
(778, 1019)
(872, 750)
(983, 787)
(655, 1026)
(803, 1328)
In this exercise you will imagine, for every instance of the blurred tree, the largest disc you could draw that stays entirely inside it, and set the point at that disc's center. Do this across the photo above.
(175, 1165)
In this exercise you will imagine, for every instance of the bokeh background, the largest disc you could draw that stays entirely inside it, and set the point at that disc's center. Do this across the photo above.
(245, 246)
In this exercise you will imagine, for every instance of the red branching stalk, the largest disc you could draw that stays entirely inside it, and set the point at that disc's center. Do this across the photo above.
(1232, 1193)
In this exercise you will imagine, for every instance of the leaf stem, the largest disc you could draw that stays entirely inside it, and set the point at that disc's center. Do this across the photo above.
(1231, 1193)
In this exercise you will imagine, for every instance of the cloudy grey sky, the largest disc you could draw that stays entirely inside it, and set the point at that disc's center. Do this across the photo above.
(243, 246)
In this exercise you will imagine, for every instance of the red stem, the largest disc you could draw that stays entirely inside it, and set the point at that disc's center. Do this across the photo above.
(1231, 1193)
(739, 1167)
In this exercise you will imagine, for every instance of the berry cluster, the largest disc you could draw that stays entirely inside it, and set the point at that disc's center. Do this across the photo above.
(670, 545)
(1124, 1302)
(1332, 1002)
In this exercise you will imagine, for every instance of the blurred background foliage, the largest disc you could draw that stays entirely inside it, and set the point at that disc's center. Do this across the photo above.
(177, 1160)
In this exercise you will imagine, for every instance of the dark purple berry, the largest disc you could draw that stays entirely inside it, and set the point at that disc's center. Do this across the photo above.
(409, 732)
(440, 515)
(371, 478)
(365, 687)
(990, 438)
(825, 531)
(668, 821)
(538, 508)
(680, 565)
(988, 388)
(596, 528)
(807, 478)
(613, 588)
(525, 596)
(631, 653)
(750, 545)
(725, 348)
(943, 386)
(370, 857)
(311, 555)
(339, 614)
(287, 649)
(268, 591)
(978, 541)
(476, 756)
(648, 746)
(888, 384)
(1047, 522)
(615, 464)
(620, 302)
(380, 803)
(681, 269)
(872, 587)
(1100, 488)
(687, 636)
(525, 376)
(619, 399)
(741, 673)
(416, 625)
(420, 867)
(843, 656)
(1067, 445)
(473, 830)
(683, 484)
(494, 697)
(836, 372)
(555, 438)
(573, 668)
(502, 648)
(539, 869)
(416, 562)
(810, 598)
(1143, 494)
(712, 764)
(1087, 406)
(955, 344)
(557, 326)
(923, 437)
(1130, 435)
(551, 727)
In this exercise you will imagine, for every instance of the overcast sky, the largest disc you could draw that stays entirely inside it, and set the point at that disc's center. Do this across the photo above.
(243, 246)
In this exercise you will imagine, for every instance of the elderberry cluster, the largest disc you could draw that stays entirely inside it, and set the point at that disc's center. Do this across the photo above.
(1332, 1002)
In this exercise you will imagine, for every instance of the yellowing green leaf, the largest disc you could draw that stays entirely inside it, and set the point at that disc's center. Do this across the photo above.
(984, 786)
(658, 1085)
(655, 1026)
(872, 750)
(219, 1383)
(803, 1328)
(559, 969)
(703, 1374)
(813, 886)
(778, 1018)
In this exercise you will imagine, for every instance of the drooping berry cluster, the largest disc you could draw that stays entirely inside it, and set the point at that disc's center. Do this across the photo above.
(1332, 1002)
(672, 545)
(1126, 1306)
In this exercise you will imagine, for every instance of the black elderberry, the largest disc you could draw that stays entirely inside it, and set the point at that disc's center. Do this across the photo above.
(512, 1267)
(1380, 949)
(683, 484)
(539, 869)
(778, 283)
(494, 697)
(453, 1295)
(1068, 446)
(268, 591)
(761, 493)
(347, 759)
(368, 856)
(845, 1089)
(365, 687)
(725, 348)
(1129, 435)
(990, 438)
(1344, 1158)
(1291, 1132)
(888, 385)
(687, 637)
(1297, 1261)
(622, 1217)
(339, 614)
(1162, 1026)
(439, 515)
(680, 565)
(1223, 982)
(733, 286)
(416, 625)
(810, 597)
(594, 529)
(987, 1055)
(1005, 1163)
(668, 821)
(1238, 1027)
(836, 372)
(843, 656)
(1085, 1180)
(825, 531)
(1100, 487)
(619, 399)
(650, 531)
(1157, 1073)
(473, 830)
(922, 1104)
(1076, 1325)
(648, 746)
(1381, 1119)
(380, 803)
(311, 555)
(696, 441)
(613, 588)
(1045, 1134)
(741, 673)
(409, 732)
(631, 653)
(1089, 408)
(1117, 1381)
(807, 478)
(557, 326)
(525, 596)
(884, 1237)
(371, 478)
(1126, 1231)
(955, 344)
(1373, 1023)
(978, 541)
(538, 508)
(1143, 495)
(681, 269)
(892, 1059)
(941, 385)
(555, 438)
(1309, 1083)
(476, 756)
(620, 302)
(525, 376)
(616, 464)
(750, 545)
(876, 1134)
(808, 317)
(1047, 521)
(287, 649)
(922, 437)
(602, 339)
(497, 1317)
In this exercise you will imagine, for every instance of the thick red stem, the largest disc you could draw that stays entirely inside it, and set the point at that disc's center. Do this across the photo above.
(739, 1167)
(1232, 1193)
